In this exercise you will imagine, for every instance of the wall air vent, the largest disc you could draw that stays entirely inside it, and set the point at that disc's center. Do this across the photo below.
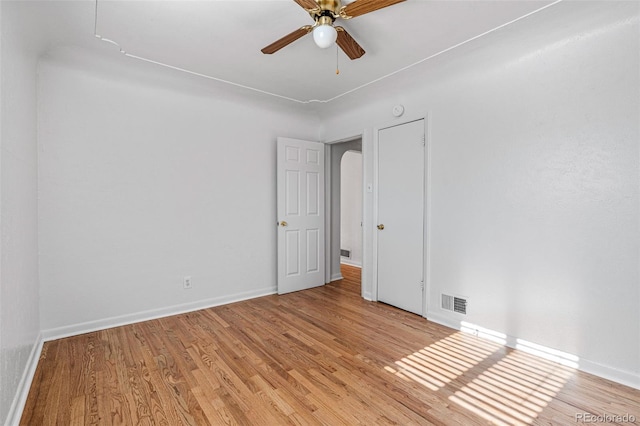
(345, 253)
(455, 304)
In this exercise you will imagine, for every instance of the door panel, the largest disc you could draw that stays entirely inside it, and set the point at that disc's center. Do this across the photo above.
(401, 211)
(313, 245)
(293, 193)
(300, 192)
(292, 247)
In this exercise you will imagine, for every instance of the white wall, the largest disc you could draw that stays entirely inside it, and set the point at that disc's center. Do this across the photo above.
(19, 310)
(141, 185)
(534, 200)
(534, 180)
(351, 206)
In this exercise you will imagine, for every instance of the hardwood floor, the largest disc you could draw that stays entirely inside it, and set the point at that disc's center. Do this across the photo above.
(321, 356)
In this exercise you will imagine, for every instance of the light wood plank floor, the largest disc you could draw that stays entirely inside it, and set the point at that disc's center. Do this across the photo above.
(321, 356)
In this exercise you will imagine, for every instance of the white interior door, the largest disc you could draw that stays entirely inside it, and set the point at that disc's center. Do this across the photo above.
(300, 193)
(400, 259)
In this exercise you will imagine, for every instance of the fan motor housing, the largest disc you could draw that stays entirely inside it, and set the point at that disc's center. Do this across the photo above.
(331, 5)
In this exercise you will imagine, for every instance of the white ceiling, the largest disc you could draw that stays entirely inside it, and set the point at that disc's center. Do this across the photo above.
(222, 39)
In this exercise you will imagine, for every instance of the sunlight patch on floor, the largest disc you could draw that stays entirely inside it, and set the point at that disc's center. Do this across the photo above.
(514, 390)
(511, 388)
(438, 364)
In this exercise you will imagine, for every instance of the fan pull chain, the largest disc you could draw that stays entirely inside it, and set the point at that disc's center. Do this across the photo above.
(337, 68)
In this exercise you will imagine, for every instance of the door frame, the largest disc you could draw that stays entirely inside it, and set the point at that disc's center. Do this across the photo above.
(426, 208)
(364, 135)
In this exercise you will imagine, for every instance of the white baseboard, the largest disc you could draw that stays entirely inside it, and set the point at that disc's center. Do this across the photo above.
(626, 378)
(442, 320)
(20, 398)
(351, 263)
(102, 324)
(336, 277)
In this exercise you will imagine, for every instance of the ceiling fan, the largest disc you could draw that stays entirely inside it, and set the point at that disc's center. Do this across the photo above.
(324, 13)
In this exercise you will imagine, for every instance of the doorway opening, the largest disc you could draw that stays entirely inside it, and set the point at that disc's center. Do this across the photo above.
(351, 209)
(346, 207)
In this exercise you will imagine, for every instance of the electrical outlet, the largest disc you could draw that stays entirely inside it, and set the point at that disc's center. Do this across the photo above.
(186, 283)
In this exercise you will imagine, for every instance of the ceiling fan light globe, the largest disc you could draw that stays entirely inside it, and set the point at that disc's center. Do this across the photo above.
(324, 36)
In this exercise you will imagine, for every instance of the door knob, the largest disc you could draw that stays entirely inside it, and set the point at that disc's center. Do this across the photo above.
(381, 227)
(283, 223)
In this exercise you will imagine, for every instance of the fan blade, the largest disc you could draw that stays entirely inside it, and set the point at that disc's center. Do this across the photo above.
(348, 44)
(360, 7)
(308, 5)
(286, 40)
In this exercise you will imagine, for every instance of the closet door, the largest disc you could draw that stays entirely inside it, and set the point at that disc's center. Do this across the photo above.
(401, 177)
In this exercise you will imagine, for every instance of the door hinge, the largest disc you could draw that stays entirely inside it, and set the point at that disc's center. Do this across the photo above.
(424, 140)
(422, 285)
